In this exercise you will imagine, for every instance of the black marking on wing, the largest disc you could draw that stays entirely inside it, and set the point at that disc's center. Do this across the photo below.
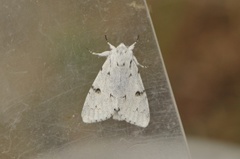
(116, 110)
(130, 75)
(130, 65)
(97, 90)
(125, 97)
(138, 93)
(108, 73)
(120, 65)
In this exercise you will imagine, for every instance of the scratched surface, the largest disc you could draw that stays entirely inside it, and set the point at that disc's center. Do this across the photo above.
(46, 72)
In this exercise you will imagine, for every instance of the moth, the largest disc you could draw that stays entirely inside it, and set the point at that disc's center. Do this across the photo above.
(118, 90)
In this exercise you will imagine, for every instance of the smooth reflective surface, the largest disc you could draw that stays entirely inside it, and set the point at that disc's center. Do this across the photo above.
(46, 72)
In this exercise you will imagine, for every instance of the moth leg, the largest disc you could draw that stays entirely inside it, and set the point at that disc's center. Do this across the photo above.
(105, 53)
(137, 63)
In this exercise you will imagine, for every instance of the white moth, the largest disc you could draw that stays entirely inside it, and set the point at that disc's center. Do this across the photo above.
(118, 90)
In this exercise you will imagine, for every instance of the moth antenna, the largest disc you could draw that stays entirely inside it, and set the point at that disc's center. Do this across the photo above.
(131, 47)
(111, 46)
(137, 39)
(106, 38)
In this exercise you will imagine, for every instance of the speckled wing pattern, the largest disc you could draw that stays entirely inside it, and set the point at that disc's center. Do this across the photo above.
(99, 104)
(134, 107)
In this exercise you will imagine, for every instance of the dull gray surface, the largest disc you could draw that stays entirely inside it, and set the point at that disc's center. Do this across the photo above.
(46, 72)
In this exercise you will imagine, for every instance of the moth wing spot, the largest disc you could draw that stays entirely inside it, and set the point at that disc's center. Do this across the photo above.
(130, 65)
(125, 97)
(137, 93)
(117, 110)
(98, 91)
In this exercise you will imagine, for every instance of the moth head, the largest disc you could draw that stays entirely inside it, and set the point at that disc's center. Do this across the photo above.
(122, 48)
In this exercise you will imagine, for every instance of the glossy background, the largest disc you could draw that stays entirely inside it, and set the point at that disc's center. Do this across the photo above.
(46, 72)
